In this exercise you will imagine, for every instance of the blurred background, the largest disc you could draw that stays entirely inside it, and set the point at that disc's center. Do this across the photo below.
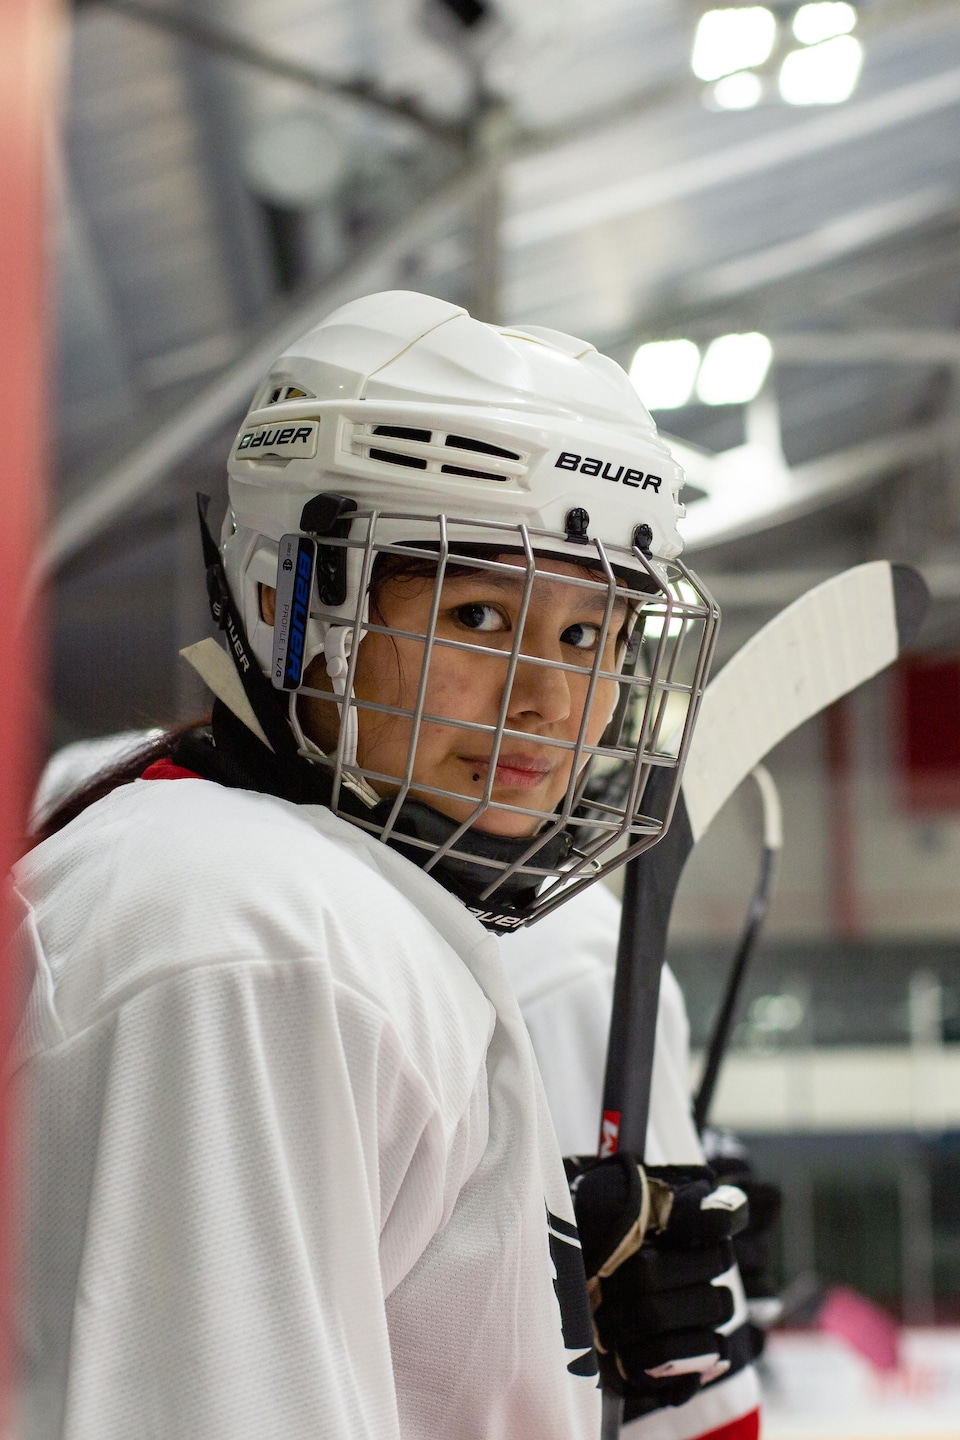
(757, 210)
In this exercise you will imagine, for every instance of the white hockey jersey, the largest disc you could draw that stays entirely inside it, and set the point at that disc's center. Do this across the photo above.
(562, 972)
(289, 1170)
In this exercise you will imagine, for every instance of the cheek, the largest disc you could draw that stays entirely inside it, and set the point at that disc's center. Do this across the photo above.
(463, 685)
(379, 670)
(383, 739)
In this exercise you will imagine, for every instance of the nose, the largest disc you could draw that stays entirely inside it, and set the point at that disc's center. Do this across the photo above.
(540, 693)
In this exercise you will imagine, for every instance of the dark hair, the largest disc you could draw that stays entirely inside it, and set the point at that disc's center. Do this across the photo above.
(161, 747)
(111, 777)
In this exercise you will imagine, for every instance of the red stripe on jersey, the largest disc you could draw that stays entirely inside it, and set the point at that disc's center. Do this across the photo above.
(746, 1427)
(166, 770)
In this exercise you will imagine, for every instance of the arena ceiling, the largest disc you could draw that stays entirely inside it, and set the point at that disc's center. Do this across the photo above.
(232, 170)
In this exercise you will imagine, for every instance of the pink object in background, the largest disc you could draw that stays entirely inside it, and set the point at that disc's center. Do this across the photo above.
(864, 1326)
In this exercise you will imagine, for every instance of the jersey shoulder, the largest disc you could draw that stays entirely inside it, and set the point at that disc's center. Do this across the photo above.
(166, 877)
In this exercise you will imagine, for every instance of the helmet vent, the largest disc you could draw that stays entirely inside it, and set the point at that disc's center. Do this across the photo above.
(289, 392)
(393, 457)
(475, 474)
(437, 452)
(403, 432)
(463, 442)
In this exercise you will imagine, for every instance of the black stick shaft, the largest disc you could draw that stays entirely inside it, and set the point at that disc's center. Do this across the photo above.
(650, 883)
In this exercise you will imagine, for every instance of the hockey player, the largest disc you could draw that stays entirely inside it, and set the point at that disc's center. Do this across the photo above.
(289, 1168)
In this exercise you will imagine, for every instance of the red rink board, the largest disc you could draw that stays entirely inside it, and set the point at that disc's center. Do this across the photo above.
(27, 54)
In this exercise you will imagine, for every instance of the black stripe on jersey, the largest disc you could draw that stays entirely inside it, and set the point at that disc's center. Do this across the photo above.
(565, 1228)
(570, 1284)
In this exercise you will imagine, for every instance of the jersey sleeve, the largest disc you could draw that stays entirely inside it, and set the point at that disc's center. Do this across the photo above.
(246, 1150)
(562, 970)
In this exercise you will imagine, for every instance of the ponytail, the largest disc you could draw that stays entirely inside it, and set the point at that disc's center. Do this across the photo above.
(102, 782)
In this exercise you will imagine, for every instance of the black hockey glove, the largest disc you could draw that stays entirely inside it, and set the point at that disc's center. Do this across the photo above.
(656, 1242)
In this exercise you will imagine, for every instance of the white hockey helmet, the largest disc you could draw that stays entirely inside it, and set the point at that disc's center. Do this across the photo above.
(402, 424)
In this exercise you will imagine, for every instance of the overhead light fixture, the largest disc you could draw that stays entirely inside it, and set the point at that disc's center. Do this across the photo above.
(823, 20)
(730, 40)
(824, 74)
(734, 369)
(738, 92)
(663, 371)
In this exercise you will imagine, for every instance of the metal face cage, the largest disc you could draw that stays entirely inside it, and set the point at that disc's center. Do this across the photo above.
(633, 692)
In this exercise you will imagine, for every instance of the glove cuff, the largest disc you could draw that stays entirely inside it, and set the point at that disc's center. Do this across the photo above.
(656, 1202)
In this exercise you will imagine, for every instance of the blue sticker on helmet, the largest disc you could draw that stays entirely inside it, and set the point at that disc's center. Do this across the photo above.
(296, 560)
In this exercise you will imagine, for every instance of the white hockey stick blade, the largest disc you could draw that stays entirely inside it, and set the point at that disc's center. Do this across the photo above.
(818, 649)
(821, 647)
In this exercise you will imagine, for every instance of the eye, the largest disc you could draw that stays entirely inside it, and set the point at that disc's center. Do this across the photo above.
(581, 637)
(480, 617)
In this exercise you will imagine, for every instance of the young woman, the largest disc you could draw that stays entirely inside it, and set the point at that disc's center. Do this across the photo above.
(289, 1168)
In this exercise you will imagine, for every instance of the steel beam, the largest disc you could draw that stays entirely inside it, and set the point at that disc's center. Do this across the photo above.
(750, 488)
(868, 347)
(197, 31)
(847, 234)
(112, 493)
(767, 151)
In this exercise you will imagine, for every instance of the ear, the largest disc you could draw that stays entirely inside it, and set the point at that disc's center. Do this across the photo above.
(268, 604)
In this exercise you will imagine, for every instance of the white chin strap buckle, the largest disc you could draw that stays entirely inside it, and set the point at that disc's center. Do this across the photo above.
(337, 645)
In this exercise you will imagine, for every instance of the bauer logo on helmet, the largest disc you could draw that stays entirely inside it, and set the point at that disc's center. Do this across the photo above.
(591, 465)
(298, 440)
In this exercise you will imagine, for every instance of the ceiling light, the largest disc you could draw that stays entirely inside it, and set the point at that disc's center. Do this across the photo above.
(738, 92)
(823, 20)
(734, 368)
(823, 75)
(729, 40)
(663, 371)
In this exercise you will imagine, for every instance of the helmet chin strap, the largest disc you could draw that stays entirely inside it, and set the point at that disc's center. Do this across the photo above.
(337, 648)
(337, 645)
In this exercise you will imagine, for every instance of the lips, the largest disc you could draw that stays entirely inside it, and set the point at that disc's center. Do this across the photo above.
(515, 771)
